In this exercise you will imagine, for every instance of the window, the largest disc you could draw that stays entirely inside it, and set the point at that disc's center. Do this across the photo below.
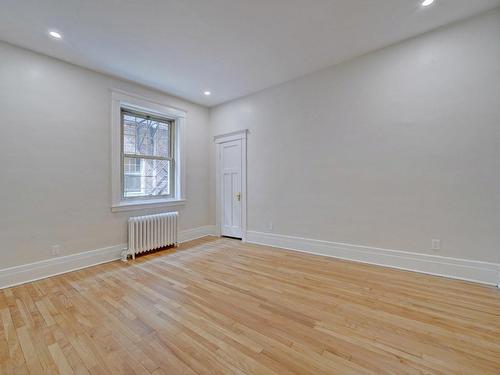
(148, 157)
(147, 154)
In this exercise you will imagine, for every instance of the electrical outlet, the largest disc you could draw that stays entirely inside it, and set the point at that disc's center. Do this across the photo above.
(436, 244)
(56, 250)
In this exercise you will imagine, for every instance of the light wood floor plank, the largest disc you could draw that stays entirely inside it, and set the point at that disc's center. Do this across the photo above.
(219, 306)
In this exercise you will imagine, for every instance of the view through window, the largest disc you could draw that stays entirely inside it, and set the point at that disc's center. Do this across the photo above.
(147, 157)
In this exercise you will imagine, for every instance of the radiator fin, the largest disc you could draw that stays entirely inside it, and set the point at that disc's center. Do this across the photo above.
(151, 232)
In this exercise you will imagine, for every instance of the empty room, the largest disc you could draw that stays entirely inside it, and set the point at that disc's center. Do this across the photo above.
(250, 187)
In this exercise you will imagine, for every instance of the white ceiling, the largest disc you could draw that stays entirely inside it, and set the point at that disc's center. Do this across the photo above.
(231, 47)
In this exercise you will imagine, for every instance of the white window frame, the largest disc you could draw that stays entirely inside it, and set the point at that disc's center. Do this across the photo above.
(170, 157)
(119, 100)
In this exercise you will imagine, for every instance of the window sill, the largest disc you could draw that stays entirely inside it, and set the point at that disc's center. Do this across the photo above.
(145, 204)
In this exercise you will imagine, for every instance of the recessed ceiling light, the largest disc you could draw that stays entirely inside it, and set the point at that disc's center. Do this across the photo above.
(55, 35)
(426, 3)
(207, 93)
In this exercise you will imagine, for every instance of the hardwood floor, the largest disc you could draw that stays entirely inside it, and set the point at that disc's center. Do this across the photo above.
(218, 306)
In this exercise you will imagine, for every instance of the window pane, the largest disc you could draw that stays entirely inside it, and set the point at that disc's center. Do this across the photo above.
(145, 177)
(132, 185)
(132, 165)
(143, 135)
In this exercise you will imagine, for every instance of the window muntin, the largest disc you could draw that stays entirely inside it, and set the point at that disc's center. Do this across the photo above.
(147, 163)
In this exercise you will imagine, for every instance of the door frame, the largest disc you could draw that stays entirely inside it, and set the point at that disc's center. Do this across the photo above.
(223, 138)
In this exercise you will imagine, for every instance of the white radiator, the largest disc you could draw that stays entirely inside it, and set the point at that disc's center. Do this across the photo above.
(151, 232)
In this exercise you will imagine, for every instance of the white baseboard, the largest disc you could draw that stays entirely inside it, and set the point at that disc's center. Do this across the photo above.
(463, 269)
(195, 233)
(55, 266)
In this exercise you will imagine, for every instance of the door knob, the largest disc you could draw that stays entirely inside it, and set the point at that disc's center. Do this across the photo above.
(238, 196)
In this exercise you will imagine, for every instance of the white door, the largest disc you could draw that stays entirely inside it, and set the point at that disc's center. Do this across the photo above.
(231, 192)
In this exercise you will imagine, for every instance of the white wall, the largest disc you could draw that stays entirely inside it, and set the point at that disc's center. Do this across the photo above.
(388, 150)
(55, 158)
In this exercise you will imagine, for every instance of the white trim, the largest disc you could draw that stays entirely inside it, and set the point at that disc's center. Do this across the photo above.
(143, 103)
(233, 136)
(121, 99)
(51, 267)
(463, 269)
(56, 266)
(144, 204)
(219, 139)
(244, 189)
(195, 233)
